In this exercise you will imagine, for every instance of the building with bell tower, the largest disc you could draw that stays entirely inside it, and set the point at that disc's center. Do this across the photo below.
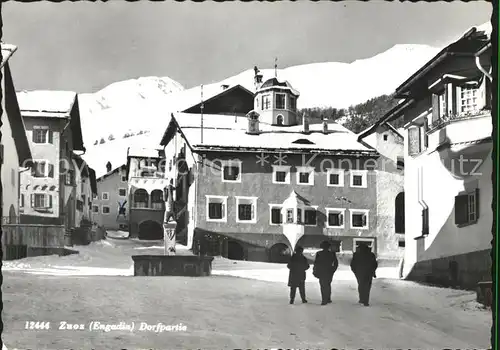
(276, 102)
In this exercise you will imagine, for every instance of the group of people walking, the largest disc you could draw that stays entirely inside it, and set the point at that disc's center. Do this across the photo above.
(363, 265)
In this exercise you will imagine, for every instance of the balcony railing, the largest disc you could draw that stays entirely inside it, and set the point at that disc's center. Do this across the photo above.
(451, 117)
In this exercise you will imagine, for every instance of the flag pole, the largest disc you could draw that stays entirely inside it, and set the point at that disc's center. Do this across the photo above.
(201, 108)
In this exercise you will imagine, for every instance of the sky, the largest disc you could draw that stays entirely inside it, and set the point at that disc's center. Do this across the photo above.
(84, 46)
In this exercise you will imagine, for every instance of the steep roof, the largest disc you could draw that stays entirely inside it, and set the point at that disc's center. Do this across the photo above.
(54, 104)
(210, 93)
(370, 130)
(12, 109)
(470, 43)
(274, 83)
(113, 171)
(230, 134)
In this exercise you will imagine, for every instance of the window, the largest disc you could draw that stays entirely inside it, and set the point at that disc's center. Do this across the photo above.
(400, 163)
(335, 178)
(42, 168)
(216, 208)
(69, 177)
(468, 99)
(41, 201)
(299, 216)
(281, 174)
(79, 205)
(123, 227)
(279, 120)
(310, 217)
(105, 196)
(359, 218)
(42, 134)
(21, 201)
(386, 137)
(266, 102)
(335, 217)
(414, 140)
(95, 209)
(305, 176)
(122, 192)
(442, 105)
(105, 209)
(247, 207)
(358, 178)
(141, 198)
(280, 101)
(356, 242)
(293, 103)
(231, 171)
(276, 218)
(289, 216)
(124, 178)
(467, 208)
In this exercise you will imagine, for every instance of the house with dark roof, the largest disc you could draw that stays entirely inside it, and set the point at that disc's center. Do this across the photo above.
(48, 191)
(15, 153)
(446, 106)
(254, 187)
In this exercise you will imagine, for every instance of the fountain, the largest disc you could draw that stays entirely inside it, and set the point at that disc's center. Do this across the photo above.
(171, 263)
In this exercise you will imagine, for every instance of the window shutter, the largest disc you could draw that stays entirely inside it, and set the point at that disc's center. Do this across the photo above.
(33, 135)
(477, 203)
(223, 209)
(341, 219)
(364, 220)
(435, 107)
(22, 200)
(461, 209)
(51, 170)
(49, 200)
(33, 169)
(426, 137)
(32, 200)
(50, 136)
(252, 208)
(413, 142)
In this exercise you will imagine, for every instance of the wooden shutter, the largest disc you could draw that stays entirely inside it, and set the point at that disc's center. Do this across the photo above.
(49, 200)
(461, 209)
(413, 142)
(33, 134)
(435, 108)
(477, 203)
(51, 170)
(252, 211)
(32, 200)
(341, 219)
(51, 138)
(222, 210)
(364, 220)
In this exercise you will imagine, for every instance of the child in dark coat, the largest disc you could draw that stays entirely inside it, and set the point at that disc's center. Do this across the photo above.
(298, 266)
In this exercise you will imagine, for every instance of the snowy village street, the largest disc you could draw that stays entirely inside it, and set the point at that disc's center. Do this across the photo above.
(224, 311)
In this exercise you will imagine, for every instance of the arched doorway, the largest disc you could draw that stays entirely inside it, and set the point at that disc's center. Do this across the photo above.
(279, 120)
(399, 215)
(279, 253)
(150, 230)
(235, 251)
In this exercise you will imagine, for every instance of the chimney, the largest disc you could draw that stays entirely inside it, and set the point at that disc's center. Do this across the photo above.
(108, 167)
(305, 123)
(257, 78)
(325, 125)
(253, 123)
(224, 86)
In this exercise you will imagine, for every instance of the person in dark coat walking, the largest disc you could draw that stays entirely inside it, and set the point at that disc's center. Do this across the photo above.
(298, 266)
(364, 264)
(325, 265)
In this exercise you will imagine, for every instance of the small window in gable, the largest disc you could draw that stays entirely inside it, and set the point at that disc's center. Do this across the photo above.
(303, 142)
(231, 171)
(386, 137)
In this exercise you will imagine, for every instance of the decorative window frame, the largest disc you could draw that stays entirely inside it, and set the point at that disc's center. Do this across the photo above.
(305, 169)
(225, 163)
(364, 175)
(341, 174)
(46, 130)
(102, 210)
(275, 206)
(309, 208)
(363, 239)
(359, 211)
(246, 200)
(221, 199)
(335, 210)
(105, 194)
(281, 168)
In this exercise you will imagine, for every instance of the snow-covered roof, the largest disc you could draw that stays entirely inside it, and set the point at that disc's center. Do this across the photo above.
(7, 51)
(143, 152)
(45, 102)
(231, 132)
(274, 83)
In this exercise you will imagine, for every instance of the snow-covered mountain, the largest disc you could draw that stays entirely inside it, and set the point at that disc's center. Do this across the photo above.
(144, 104)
